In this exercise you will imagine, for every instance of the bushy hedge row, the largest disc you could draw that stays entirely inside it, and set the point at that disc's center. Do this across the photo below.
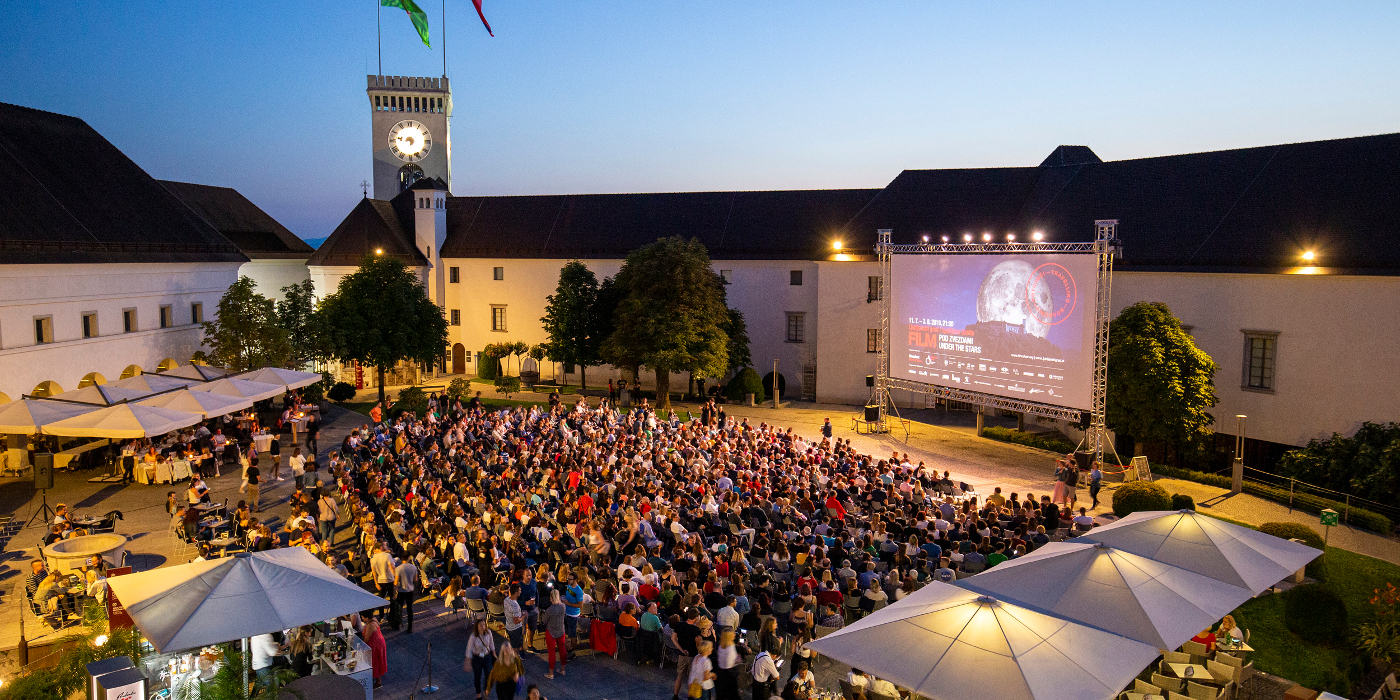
(1137, 496)
(1028, 439)
(1306, 502)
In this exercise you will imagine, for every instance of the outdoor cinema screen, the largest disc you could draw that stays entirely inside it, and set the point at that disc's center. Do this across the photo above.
(1014, 325)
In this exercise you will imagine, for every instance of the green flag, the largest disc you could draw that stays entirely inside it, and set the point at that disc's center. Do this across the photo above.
(415, 13)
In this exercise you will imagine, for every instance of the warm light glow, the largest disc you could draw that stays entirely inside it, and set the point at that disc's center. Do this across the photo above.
(1308, 256)
(987, 237)
(1240, 415)
(410, 140)
(926, 239)
(967, 237)
(842, 257)
(836, 245)
(1309, 270)
(101, 639)
(1011, 237)
(378, 251)
(945, 239)
(1037, 235)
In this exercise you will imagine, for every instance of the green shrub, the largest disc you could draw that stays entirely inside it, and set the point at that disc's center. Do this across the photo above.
(1137, 496)
(768, 385)
(1308, 503)
(341, 392)
(1298, 531)
(746, 381)
(1181, 501)
(412, 399)
(1316, 614)
(458, 388)
(507, 385)
(1052, 443)
(486, 366)
(314, 393)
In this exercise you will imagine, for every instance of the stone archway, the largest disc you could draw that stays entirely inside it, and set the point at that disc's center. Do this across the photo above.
(90, 379)
(459, 359)
(46, 389)
(167, 364)
(132, 371)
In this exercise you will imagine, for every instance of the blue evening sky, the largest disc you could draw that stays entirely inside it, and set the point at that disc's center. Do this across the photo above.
(630, 95)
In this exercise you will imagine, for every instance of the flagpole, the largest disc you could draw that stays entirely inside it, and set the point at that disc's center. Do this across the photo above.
(444, 38)
(379, 34)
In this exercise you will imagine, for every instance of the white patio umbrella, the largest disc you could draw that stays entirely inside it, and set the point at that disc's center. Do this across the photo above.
(205, 403)
(27, 416)
(152, 383)
(123, 421)
(202, 373)
(1122, 593)
(947, 643)
(1223, 551)
(101, 394)
(290, 378)
(242, 388)
(212, 602)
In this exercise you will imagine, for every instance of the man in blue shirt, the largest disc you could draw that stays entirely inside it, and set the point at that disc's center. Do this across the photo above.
(529, 593)
(934, 551)
(573, 598)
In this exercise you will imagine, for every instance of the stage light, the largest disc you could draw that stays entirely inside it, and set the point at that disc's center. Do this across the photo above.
(945, 239)
(1308, 256)
(836, 245)
(1011, 238)
(987, 237)
(1037, 235)
(967, 237)
(926, 239)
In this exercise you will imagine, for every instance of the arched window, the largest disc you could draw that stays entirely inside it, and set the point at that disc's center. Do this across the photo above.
(90, 379)
(132, 371)
(408, 175)
(167, 364)
(46, 389)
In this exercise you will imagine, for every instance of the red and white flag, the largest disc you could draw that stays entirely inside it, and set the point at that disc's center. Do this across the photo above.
(483, 17)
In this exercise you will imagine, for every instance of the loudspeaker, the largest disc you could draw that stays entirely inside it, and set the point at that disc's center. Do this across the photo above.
(1085, 420)
(1085, 460)
(43, 470)
(870, 380)
(872, 414)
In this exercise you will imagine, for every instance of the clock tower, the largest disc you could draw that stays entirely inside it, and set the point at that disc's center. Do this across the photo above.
(410, 131)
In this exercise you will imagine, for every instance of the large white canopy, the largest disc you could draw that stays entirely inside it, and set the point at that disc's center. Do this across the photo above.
(211, 602)
(27, 416)
(152, 383)
(1116, 591)
(101, 394)
(201, 373)
(290, 378)
(947, 643)
(205, 403)
(1223, 551)
(242, 388)
(123, 421)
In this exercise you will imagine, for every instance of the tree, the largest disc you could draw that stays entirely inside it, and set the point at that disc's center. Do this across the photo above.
(1160, 384)
(246, 334)
(296, 314)
(381, 315)
(568, 320)
(673, 315)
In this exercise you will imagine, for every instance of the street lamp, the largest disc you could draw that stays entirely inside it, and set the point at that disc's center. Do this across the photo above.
(1237, 478)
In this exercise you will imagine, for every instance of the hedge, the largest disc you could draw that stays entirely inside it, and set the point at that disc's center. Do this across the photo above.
(1316, 613)
(1305, 502)
(746, 381)
(1298, 531)
(1137, 496)
(1018, 437)
(1181, 501)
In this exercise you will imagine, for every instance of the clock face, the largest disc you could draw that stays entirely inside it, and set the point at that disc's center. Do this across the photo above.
(410, 141)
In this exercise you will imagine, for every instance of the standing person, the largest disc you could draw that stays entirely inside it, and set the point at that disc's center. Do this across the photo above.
(826, 429)
(702, 671)
(552, 619)
(379, 651)
(1072, 485)
(481, 655)
(515, 617)
(313, 429)
(685, 635)
(529, 595)
(573, 602)
(1061, 469)
(765, 675)
(728, 667)
(381, 564)
(275, 450)
(325, 519)
(376, 414)
(253, 474)
(298, 465)
(506, 673)
(406, 587)
(1095, 483)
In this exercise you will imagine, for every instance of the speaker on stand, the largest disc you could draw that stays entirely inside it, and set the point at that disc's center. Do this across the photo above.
(43, 480)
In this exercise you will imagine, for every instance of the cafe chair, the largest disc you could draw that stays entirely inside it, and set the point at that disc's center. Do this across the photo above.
(476, 608)
(848, 691)
(1198, 651)
(1199, 691)
(1174, 685)
(1141, 686)
(1175, 657)
(497, 612)
(1171, 695)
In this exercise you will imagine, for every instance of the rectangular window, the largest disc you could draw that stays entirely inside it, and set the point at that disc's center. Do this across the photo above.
(43, 329)
(165, 317)
(795, 278)
(727, 275)
(1260, 351)
(498, 318)
(456, 317)
(796, 327)
(876, 291)
(454, 274)
(90, 324)
(196, 312)
(872, 340)
(498, 273)
(129, 320)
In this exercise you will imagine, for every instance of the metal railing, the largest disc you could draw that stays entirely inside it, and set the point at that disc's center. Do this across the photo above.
(1296, 488)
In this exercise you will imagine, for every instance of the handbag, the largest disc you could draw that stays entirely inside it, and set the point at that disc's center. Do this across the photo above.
(696, 691)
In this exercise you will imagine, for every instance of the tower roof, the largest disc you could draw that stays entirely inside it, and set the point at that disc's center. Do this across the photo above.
(69, 196)
(373, 225)
(430, 184)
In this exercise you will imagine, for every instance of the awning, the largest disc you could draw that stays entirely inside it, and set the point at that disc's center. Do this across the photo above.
(205, 403)
(242, 388)
(123, 421)
(27, 416)
(290, 378)
(101, 394)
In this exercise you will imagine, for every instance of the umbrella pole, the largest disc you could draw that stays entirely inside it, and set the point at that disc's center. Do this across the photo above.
(245, 662)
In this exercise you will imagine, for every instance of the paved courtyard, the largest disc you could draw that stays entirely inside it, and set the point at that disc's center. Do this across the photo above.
(945, 440)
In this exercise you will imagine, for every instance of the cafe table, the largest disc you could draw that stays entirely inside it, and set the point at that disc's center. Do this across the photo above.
(1193, 672)
(1233, 647)
(1145, 696)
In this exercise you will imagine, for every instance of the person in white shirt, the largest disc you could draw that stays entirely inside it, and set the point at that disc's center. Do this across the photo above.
(298, 463)
(264, 650)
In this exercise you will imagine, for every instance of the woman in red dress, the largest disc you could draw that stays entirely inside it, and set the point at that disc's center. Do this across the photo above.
(378, 651)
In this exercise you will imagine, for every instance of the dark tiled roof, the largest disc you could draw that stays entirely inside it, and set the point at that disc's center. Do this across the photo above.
(776, 225)
(242, 222)
(1250, 209)
(372, 224)
(1070, 155)
(69, 196)
(428, 183)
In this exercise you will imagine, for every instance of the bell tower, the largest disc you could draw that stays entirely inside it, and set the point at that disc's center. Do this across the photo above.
(410, 131)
